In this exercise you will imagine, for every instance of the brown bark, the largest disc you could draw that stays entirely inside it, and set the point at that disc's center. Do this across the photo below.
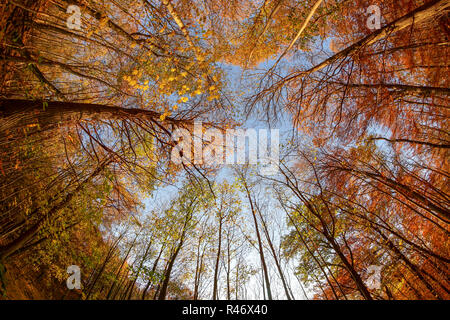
(165, 284)
(260, 246)
(216, 267)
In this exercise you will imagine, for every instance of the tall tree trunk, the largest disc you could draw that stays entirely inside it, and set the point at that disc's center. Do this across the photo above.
(415, 270)
(163, 292)
(198, 268)
(144, 257)
(274, 255)
(108, 257)
(15, 113)
(311, 253)
(216, 267)
(228, 268)
(117, 276)
(350, 268)
(261, 252)
(155, 264)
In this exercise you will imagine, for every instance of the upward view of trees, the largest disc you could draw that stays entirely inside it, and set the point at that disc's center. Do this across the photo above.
(92, 94)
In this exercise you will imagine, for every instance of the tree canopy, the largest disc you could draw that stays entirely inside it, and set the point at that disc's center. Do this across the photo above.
(94, 95)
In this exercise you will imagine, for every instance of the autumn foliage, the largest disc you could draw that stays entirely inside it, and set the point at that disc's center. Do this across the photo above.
(87, 117)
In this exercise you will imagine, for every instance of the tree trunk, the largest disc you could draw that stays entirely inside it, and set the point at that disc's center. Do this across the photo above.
(216, 268)
(261, 253)
(163, 292)
(16, 113)
(272, 249)
(117, 276)
(155, 264)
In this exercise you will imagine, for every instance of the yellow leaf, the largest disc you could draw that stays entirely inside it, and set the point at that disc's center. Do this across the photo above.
(103, 21)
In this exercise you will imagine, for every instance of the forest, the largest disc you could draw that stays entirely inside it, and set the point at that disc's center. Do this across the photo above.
(104, 194)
